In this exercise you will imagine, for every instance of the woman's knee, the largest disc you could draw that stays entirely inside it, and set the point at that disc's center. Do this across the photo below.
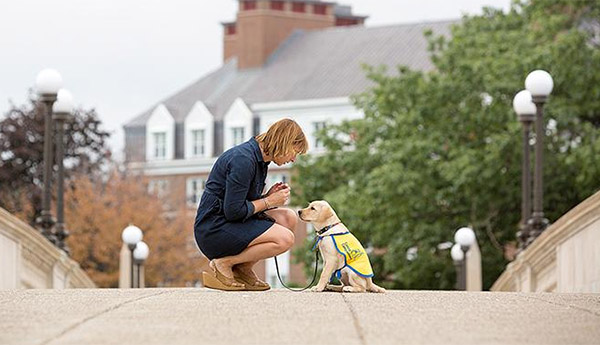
(291, 219)
(286, 239)
(284, 217)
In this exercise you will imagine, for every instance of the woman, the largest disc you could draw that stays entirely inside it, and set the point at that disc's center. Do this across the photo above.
(235, 225)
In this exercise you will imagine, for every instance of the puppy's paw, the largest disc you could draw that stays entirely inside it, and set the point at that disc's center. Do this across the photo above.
(317, 289)
(376, 289)
(335, 288)
(348, 289)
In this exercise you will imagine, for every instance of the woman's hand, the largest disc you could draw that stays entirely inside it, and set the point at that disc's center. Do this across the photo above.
(279, 197)
(277, 187)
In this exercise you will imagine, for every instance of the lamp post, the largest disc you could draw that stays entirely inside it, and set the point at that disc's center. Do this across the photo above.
(62, 109)
(539, 83)
(131, 235)
(458, 257)
(464, 237)
(140, 254)
(525, 109)
(47, 84)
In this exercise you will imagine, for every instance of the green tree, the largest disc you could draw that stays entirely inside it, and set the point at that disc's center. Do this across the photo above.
(440, 150)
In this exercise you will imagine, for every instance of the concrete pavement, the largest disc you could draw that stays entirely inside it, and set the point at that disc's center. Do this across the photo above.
(202, 316)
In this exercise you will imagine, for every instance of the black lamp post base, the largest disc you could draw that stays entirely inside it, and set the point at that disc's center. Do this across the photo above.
(46, 223)
(61, 235)
(537, 225)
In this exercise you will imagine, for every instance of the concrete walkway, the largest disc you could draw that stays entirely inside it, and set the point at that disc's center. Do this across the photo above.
(202, 316)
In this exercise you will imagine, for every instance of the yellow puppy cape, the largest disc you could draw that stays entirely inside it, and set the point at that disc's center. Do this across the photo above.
(355, 256)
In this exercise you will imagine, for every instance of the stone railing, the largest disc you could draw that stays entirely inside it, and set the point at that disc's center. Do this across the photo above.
(564, 258)
(29, 260)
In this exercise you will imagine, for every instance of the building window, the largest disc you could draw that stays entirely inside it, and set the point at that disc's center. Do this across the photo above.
(158, 188)
(298, 7)
(238, 135)
(160, 145)
(317, 126)
(195, 188)
(198, 142)
(319, 9)
(277, 5)
(249, 5)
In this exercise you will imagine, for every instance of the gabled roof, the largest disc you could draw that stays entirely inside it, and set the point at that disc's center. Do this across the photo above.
(307, 65)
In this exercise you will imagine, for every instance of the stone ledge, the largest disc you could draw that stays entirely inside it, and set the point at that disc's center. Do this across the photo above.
(35, 251)
(535, 263)
(202, 316)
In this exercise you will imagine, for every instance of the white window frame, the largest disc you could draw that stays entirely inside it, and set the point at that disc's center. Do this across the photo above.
(198, 142)
(193, 196)
(199, 118)
(237, 135)
(317, 126)
(158, 188)
(238, 115)
(160, 121)
(159, 148)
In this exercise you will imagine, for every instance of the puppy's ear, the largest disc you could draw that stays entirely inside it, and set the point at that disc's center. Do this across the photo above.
(326, 212)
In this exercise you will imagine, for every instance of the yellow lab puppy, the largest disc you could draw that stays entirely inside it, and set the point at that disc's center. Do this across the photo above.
(340, 250)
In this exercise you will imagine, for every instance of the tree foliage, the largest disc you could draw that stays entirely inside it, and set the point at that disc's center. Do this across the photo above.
(99, 202)
(22, 151)
(440, 150)
(96, 213)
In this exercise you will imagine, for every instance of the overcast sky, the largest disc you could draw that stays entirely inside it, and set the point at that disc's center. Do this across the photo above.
(122, 56)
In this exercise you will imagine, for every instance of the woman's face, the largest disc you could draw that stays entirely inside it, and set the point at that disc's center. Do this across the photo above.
(291, 157)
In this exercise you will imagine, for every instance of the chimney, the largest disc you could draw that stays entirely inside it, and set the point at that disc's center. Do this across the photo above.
(261, 25)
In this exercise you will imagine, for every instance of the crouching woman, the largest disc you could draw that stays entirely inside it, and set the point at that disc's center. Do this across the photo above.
(235, 225)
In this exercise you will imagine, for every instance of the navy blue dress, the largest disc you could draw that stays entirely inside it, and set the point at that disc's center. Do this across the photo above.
(225, 223)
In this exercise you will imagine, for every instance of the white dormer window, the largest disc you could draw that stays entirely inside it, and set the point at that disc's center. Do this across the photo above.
(198, 148)
(195, 188)
(199, 132)
(237, 124)
(237, 133)
(160, 145)
(160, 135)
(317, 126)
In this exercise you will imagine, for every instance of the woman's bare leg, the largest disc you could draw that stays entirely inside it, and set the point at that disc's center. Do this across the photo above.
(283, 216)
(276, 240)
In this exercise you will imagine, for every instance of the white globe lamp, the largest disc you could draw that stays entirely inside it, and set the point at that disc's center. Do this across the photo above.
(465, 237)
(131, 235)
(539, 83)
(457, 253)
(141, 252)
(48, 82)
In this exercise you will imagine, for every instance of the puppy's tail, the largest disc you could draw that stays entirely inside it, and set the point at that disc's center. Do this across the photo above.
(371, 287)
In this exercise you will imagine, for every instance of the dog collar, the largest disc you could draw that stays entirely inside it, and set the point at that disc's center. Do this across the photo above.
(319, 238)
(322, 231)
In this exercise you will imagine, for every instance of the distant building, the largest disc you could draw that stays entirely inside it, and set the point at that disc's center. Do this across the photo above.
(297, 59)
